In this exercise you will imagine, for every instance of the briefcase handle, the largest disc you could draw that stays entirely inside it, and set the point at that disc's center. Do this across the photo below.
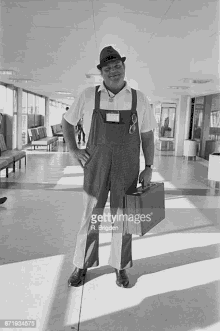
(142, 188)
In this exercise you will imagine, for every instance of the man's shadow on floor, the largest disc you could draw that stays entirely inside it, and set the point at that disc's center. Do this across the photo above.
(190, 309)
(159, 263)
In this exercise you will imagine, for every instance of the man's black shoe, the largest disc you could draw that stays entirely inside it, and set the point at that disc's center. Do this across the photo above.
(2, 200)
(122, 278)
(77, 277)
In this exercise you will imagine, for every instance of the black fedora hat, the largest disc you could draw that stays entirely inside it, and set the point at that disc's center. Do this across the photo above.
(108, 54)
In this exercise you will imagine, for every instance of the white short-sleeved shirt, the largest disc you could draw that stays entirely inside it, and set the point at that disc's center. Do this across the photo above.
(84, 104)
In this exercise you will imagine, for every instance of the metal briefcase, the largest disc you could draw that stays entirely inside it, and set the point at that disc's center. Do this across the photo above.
(144, 208)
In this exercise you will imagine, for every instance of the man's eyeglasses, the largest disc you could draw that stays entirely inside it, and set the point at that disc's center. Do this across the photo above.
(132, 127)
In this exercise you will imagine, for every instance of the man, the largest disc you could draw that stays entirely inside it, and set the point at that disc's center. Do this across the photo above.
(121, 116)
(80, 131)
(2, 200)
(67, 108)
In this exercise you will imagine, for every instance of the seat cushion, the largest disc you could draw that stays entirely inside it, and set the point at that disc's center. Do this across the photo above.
(41, 142)
(17, 155)
(44, 141)
(7, 157)
(53, 139)
(3, 163)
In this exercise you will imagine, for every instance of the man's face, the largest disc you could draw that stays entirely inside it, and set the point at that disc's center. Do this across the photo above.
(114, 73)
(1, 117)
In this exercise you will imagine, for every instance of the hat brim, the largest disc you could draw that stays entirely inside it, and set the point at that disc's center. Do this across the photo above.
(99, 66)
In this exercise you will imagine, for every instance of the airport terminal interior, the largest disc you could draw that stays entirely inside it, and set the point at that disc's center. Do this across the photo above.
(49, 51)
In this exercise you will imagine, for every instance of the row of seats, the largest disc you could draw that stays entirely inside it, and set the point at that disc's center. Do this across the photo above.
(38, 137)
(57, 130)
(8, 158)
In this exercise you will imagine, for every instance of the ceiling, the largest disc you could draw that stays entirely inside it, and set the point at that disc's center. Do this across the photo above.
(56, 42)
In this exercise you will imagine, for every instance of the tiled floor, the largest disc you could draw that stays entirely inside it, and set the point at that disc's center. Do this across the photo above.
(174, 284)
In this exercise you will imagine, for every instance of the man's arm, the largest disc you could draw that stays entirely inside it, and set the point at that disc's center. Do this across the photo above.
(148, 147)
(69, 135)
(81, 155)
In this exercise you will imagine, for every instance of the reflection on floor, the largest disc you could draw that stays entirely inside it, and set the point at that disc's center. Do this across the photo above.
(174, 283)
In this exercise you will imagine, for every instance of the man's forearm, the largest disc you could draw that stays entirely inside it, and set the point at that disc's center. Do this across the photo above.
(69, 135)
(148, 147)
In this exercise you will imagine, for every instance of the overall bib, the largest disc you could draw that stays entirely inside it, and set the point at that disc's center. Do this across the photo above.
(113, 166)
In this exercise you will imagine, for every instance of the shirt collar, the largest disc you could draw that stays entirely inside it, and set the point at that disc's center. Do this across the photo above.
(102, 88)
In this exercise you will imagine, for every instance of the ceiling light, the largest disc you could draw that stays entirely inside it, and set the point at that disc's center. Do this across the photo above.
(196, 81)
(21, 80)
(7, 72)
(91, 75)
(70, 98)
(63, 92)
(178, 87)
(201, 81)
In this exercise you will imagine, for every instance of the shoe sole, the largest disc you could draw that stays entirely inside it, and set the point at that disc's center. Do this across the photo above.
(122, 285)
(79, 283)
(2, 200)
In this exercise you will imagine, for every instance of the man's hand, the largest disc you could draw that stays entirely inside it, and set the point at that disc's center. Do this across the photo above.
(145, 176)
(81, 155)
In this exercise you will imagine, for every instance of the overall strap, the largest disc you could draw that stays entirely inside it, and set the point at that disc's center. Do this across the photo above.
(97, 97)
(134, 99)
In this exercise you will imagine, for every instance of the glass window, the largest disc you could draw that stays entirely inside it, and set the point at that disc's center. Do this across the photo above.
(15, 102)
(215, 102)
(2, 98)
(56, 110)
(15, 105)
(214, 126)
(200, 100)
(24, 103)
(37, 104)
(14, 143)
(167, 124)
(31, 103)
(24, 129)
(42, 106)
(9, 102)
(157, 111)
(198, 118)
(197, 122)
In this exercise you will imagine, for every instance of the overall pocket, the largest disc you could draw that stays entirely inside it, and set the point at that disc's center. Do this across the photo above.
(91, 152)
(114, 134)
